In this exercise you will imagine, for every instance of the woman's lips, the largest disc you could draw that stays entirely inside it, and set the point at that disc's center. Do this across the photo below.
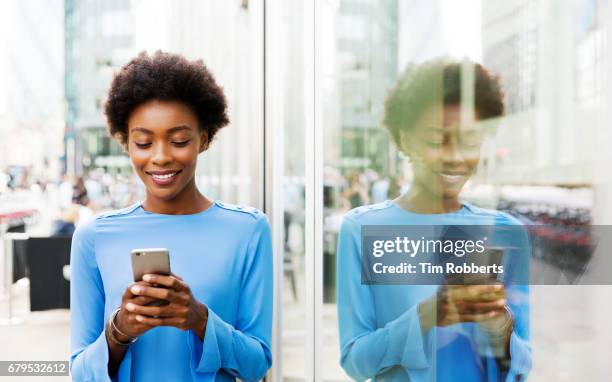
(452, 178)
(165, 178)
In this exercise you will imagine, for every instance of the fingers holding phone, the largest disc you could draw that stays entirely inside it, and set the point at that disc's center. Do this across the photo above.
(126, 321)
(169, 301)
(183, 311)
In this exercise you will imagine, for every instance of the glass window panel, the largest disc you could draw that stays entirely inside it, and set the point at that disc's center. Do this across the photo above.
(540, 160)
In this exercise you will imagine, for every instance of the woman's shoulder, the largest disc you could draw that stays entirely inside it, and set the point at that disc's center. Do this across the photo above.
(500, 217)
(118, 212)
(378, 213)
(240, 216)
(239, 210)
(87, 230)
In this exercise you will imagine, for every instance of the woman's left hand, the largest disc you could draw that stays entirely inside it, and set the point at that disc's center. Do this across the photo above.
(183, 311)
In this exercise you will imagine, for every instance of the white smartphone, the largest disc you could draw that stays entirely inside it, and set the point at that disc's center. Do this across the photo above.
(151, 260)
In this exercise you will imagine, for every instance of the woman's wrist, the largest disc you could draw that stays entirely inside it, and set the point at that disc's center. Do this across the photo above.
(499, 338)
(426, 316)
(115, 334)
(200, 327)
(504, 330)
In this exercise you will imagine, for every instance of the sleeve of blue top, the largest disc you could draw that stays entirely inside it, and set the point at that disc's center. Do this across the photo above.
(89, 349)
(520, 350)
(366, 350)
(517, 296)
(244, 350)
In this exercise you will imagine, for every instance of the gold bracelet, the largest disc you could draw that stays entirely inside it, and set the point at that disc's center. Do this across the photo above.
(115, 329)
(508, 324)
(111, 336)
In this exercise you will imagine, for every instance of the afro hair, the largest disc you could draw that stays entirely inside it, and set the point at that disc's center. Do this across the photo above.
(440, 82)
(165, 77)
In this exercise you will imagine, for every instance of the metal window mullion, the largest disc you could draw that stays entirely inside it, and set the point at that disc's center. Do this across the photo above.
(273, 165)
(314, 196)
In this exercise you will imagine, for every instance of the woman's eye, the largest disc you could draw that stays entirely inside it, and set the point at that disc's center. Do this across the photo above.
(181, 144)
(470, 143)
(142, 145)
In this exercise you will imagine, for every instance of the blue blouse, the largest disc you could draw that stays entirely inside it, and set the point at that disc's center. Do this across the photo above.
(380, 331)
(223, 253)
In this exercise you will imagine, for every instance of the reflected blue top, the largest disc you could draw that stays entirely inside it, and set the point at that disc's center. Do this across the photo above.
(223, 253)
(380, 332)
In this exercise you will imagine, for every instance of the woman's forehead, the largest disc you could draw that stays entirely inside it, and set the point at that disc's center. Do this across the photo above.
(162, 116)
(447, 116)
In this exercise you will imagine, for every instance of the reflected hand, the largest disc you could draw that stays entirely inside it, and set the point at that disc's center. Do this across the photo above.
(483, 304)
(453, 304)
(486, 305)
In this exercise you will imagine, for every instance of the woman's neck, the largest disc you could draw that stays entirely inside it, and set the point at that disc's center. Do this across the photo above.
(421, 201)
(189, 201)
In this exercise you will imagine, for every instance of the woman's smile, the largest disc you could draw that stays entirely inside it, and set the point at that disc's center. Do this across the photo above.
(453, 179)
(163, 178)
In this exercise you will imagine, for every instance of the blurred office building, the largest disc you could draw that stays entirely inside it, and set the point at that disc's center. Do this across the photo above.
(101, 36)
(549, 132)
(367, 63)
(31, 96)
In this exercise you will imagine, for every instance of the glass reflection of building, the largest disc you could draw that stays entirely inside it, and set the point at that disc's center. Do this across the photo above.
(364, 63)
(367, 63)
(551, 90)
(98, 39)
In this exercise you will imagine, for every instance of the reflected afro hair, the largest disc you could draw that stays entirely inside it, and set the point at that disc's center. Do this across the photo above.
(439, 81)
(165, 77)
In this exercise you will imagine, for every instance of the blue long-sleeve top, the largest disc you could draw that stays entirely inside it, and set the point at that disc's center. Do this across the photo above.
(223, 253)
(380, 330)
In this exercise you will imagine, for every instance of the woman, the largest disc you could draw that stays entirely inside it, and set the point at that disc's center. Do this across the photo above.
(165, 110)
(429, 332)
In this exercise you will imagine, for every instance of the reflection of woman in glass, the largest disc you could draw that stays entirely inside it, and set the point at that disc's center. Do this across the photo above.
(165, 111)
(429, 332)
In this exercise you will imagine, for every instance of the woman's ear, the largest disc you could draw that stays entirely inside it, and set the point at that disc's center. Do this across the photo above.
(405, 144)
(203, 142)
(123, 142)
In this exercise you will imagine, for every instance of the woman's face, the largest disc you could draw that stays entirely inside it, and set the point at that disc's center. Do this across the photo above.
(164, 141)
(444, 152)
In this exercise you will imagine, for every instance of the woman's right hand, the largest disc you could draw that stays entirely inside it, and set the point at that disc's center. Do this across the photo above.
(125, 321)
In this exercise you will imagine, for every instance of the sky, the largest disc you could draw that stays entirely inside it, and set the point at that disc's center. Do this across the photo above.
(449, 28)
(462, 21)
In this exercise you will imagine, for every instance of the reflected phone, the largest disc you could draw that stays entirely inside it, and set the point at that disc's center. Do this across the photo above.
(151, 260)
(490, 256)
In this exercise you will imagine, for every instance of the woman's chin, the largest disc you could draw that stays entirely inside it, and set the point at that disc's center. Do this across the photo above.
(447, 193)
(162, 194)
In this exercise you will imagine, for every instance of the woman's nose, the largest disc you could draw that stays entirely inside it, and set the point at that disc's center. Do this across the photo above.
(452, 154)
(161, 155)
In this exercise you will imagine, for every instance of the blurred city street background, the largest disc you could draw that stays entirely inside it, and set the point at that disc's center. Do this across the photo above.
(547, 162)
